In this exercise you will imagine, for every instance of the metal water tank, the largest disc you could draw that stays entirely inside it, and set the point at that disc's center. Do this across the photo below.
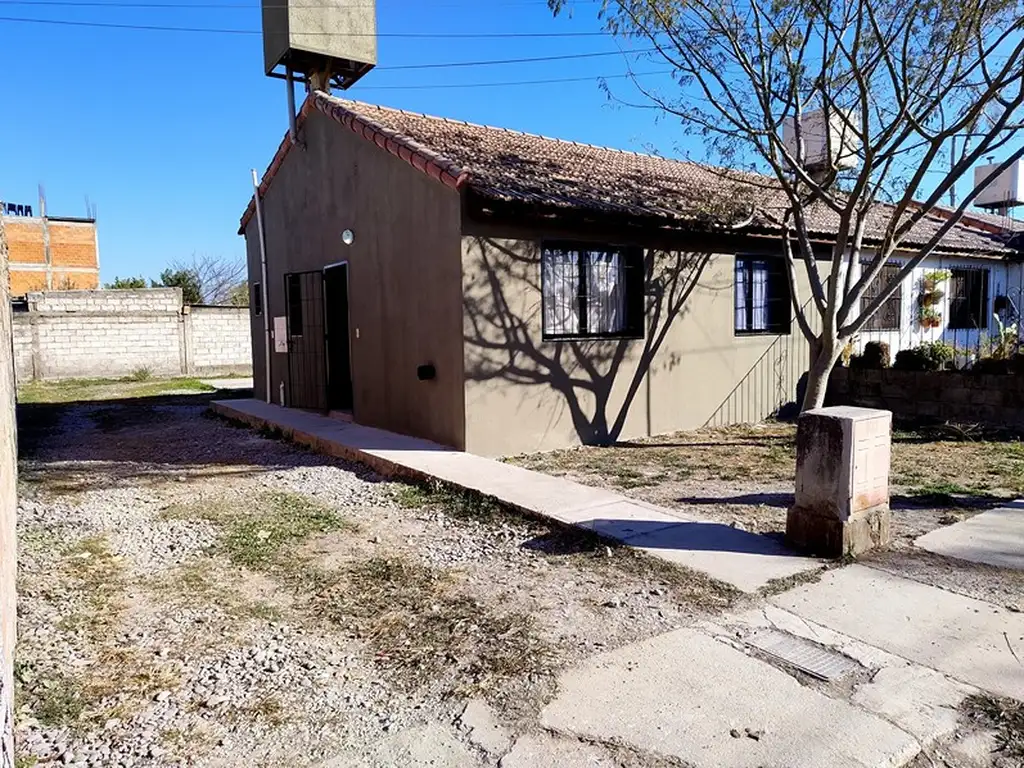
(336, 36)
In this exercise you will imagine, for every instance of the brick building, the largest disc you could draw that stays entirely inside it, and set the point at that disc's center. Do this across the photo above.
(51, 252)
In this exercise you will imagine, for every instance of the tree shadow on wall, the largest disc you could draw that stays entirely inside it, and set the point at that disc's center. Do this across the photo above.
(502, 303)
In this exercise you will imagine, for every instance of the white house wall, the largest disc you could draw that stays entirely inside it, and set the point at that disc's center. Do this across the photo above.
(1004, 279)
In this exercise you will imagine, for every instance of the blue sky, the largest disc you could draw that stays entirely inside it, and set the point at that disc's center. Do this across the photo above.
(160, 129)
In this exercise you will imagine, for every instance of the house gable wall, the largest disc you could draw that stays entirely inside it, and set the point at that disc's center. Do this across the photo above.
(404, 273)
(525, 394)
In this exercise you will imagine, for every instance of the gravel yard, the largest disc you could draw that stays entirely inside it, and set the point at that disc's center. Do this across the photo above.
(192, 593)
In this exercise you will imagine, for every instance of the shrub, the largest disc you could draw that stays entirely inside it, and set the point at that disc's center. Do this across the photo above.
(930, 356)
(875, 356)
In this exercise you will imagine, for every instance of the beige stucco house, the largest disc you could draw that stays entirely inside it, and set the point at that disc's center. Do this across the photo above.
(501, 292)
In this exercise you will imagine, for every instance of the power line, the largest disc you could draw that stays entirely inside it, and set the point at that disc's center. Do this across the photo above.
(226, 31)
(366, 86)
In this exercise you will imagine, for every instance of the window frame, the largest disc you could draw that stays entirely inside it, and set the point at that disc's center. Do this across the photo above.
(634, 277)
(776, 276)
(890, 267)
(257, 299)
(985, 314)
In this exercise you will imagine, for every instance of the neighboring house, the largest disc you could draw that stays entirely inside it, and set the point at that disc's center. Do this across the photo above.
(51, 252)
(502, 292)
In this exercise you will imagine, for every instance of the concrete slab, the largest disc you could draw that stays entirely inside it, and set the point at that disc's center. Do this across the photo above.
(995, 538)
(747, 561)
(685, 694)
(917, 699)
(975, 642)
(239, 382)
(426, 746)
(546, 751)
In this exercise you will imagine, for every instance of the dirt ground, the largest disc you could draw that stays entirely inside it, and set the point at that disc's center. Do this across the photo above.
(192, 593)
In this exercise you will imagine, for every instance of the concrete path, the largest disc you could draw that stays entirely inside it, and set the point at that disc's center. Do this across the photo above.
(229, 383)
(995, 538)
(745, 560)
(699, 693)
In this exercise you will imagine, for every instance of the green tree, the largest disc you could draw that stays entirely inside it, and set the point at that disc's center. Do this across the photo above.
(915, 93)
(238, 296)
(127, 283)
(186, 279)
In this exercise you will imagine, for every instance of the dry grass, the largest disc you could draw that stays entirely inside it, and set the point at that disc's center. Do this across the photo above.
(1004, 716)
(421, 626)
(934, 466)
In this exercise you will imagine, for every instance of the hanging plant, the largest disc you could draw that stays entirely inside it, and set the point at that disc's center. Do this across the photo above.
(931, 280)
(931, 298)
(930, 317)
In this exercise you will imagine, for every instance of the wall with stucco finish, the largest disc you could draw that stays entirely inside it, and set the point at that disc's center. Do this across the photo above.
(404, 276)
(525, 394)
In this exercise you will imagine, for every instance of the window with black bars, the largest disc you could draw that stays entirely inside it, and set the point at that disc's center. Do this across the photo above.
(968, 298)
(762, 296)
(257, 299)
(889, 314)
(592, 291)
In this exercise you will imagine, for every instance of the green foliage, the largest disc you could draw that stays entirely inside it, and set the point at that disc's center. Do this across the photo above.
(1004, 346)
(127, 283)
(186, 279)
(875, 356)
(930, 356)
(139, 374)
(238, 296)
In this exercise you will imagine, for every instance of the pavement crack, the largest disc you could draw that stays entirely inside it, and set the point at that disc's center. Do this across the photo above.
(1013, 653)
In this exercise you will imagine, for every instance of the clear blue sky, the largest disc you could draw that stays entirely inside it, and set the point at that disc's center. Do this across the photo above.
(160, 129)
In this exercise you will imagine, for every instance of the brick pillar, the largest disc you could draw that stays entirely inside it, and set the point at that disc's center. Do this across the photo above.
(8, 509)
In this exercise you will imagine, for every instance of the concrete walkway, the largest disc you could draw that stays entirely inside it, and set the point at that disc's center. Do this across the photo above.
(745, 560)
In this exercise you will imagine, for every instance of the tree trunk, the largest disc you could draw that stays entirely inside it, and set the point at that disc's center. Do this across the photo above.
(824, 354)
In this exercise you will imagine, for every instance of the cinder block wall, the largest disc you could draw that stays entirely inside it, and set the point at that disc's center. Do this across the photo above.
(221, 341)
(956, 396)
(112, 333)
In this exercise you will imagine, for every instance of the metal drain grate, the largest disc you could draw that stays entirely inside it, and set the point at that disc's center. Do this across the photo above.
(806, 656)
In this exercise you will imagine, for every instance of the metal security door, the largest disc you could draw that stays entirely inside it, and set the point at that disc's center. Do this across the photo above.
(307, 369)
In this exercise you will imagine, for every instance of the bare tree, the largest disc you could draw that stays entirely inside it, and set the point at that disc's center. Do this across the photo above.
(897, 82)
(218, 276)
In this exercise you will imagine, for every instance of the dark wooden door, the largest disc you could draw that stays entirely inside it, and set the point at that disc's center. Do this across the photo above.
(339, 360)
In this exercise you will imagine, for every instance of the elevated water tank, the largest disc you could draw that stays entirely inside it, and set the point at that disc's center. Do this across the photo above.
(816, 136)
(336, 36)
(1006, 190)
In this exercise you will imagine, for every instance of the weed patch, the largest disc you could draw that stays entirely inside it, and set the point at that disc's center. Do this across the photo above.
(1004, 716)
(254, 533)
(422, 627)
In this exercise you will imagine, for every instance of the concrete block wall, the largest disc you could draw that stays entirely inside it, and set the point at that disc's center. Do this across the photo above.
(113, 333)
(957, 396)
(221, 341)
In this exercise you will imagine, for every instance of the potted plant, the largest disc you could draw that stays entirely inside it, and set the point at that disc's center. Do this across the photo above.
(930, 317)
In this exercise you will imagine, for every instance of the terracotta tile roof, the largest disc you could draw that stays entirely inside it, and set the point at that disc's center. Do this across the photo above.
(514, 167)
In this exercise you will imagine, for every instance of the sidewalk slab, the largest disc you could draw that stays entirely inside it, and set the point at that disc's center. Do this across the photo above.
(995, 538)
(744, 560)
(682, 694)
(973, 641)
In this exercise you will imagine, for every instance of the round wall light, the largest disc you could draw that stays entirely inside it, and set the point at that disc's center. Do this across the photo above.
(348, 237)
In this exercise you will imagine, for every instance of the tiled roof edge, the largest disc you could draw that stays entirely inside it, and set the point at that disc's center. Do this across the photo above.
(433, 164)
(282, 152)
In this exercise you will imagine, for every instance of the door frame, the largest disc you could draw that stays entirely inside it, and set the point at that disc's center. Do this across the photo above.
(327, 333)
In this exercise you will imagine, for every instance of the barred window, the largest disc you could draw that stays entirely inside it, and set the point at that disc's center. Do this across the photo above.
(592, 291)
(762, 296)
(968, 299)
(889, 315)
